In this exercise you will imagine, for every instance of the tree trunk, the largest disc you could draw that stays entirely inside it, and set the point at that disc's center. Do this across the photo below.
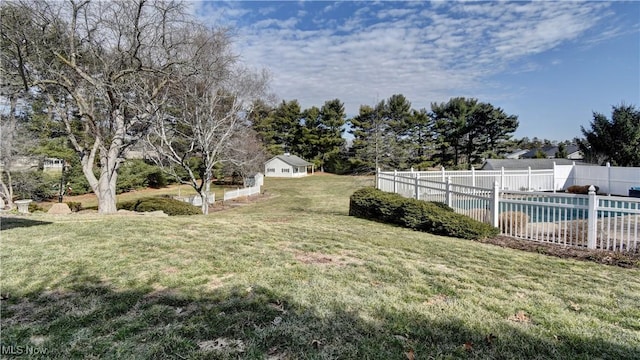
(105, 186)
(6, 191)
(205, 194)
(205, 202)
(107, 198)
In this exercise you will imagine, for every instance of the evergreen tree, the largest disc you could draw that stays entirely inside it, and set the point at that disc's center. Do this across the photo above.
(420, 139)
(330, 130)
(617, 140)
(279, 128)
(368, 146)
(453, 125)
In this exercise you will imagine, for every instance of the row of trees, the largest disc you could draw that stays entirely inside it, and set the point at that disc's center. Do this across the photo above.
(314, 134)
(112, 74)
(461, 131)
(389, 134)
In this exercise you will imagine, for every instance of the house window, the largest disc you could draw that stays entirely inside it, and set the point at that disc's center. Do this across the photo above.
(285, 170)
(271, 170)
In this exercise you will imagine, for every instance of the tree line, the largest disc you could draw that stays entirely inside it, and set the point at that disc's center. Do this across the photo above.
(390, 134)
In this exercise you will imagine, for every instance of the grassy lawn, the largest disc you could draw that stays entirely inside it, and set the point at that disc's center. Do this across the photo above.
(294, 277)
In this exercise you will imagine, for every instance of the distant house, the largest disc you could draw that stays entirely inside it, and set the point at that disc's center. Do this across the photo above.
(516, 154)
(286, 165)
(573, 152)
(34, 163)
(523, 164)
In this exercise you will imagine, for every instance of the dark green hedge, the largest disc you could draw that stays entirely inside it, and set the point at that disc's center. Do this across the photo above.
(169, 206)
(431, 217)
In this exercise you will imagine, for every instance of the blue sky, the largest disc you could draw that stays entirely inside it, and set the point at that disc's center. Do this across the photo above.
(552, 63)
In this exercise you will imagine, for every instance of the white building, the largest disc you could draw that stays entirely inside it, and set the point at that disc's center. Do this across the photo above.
(286, 165)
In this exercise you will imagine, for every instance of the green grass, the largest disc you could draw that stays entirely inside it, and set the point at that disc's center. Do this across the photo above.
(294, 277)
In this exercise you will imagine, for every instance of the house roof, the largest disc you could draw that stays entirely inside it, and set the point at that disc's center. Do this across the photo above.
(524, 164)
(291, 160)
(516, 154)
(550, 151)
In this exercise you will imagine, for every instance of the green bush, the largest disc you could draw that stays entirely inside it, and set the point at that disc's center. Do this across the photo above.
(168, 206)
(435, 218)
(137, 174)
(35, 185)
(34, 207)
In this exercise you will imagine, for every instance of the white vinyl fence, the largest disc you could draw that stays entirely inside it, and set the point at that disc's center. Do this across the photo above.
(610, 179)
(232, 194)
(587, 221)
(196, 200)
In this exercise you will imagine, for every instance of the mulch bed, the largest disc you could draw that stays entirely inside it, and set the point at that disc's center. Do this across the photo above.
(625, 260)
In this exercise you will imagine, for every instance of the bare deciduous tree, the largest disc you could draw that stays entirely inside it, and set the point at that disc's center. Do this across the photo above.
(102, 66)
(246, 154)
(203, 112)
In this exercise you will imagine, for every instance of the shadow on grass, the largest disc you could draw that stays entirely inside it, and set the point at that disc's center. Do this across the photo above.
(93, 320)
(7, 223)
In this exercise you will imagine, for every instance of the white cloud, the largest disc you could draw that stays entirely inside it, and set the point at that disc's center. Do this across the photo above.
(282, 24)
(430, 55)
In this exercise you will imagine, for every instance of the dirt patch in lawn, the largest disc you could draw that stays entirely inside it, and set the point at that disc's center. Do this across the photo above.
(316, 258)
(625, 260)
(234, 203)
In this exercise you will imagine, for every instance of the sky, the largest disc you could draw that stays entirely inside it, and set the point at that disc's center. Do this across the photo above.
(551, 63)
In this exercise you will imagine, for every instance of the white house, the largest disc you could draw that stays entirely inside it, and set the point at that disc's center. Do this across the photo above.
(286, 165)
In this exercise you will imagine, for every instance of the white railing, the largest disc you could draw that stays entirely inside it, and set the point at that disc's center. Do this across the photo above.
(591, 221)
(529, 179)
(609, 179)
(232, 194)
(196, 200)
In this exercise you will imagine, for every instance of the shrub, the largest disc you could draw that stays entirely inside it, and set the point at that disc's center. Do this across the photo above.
(431, 217)
(34, 207)
(580, 189)
(513, 222)
(74, 206)
(35, 185)
(168, 206)
(136, 174)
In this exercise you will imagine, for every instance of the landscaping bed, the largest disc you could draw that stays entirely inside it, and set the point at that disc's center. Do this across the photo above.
(626, 260)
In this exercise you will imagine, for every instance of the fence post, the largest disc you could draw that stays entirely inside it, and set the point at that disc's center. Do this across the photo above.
(609, 178)
(378, 179)
(473, 176)
(448, 196)
(442, 174)
(395, 184)
(417, 193)
(502, 178)
(495, 204)
(553, 183)
(529, 178)
(592, 214)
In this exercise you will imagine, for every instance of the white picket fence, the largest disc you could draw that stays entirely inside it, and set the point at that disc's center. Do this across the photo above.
(232, 194)
(507, 179)
(196, 200)
(586, 221)
(609, 179)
